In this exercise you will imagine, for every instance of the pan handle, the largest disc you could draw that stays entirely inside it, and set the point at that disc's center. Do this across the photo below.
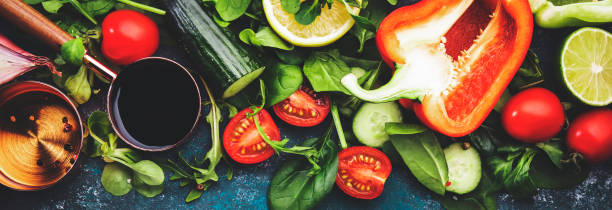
(31, 21)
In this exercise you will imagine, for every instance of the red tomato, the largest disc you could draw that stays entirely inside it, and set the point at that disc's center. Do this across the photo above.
(533, 115)
(591, 135)
(362, 171)
(127, 36)
(304, 108)
(406, 103)
(242, 141)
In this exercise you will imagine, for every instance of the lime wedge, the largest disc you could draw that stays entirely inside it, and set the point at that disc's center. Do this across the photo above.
(586, 63)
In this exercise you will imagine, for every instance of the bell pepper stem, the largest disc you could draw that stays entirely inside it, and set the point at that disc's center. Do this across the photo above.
(394, 90)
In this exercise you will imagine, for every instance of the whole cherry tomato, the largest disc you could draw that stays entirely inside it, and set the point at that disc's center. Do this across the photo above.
(127, 36)
(590, 134)
(533, 115)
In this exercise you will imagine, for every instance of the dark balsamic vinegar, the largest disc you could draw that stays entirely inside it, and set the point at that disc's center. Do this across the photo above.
(156, 103)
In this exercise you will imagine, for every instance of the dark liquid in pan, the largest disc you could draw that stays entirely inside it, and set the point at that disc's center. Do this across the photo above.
(156, 103)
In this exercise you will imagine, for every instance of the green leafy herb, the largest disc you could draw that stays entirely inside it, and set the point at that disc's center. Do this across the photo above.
(401, 128)
(116, 179)
(281, 81)
(129, 170)
(290, 6)
(554, 151)
(264, 37)
(424, 157)
(78, 86)
(547, 175)
(511, 167)
(52, 6)
(293, 57)
(194, 194)
(230, 10)
(73, 51)
(308, 12)
(294, 187)
(98, 7)
(324, 70)
(529, 75)
(392, 2)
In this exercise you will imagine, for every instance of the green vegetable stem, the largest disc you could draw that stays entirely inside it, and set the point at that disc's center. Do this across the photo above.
(549, 15)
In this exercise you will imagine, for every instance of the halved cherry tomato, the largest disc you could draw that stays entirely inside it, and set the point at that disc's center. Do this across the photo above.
(304, 108)
(242, 141)
(362, 171)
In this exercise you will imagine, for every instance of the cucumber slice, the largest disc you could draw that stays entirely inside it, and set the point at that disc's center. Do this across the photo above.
(369, 122)
(464, 168)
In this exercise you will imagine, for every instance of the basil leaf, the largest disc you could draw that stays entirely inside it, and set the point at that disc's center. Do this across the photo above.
(293, 188)
(309, 11)
(78, 87)
(145, 190)
(116, 179)
(231, 9)
(553, 150)
(149, 172)
(98, 7)
(73, 51)
(290, 6)
(52, 6)
(281, 81)
(324, 70)
(424, 157)
(393, 128)
(364, 23)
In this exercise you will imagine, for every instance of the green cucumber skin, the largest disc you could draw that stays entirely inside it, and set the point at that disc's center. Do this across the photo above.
(462, 180)
(216, 53)
(364, 130)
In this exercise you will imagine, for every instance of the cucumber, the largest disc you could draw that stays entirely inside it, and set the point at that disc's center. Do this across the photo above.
(464, 168)
(369, 122)
(217, 54)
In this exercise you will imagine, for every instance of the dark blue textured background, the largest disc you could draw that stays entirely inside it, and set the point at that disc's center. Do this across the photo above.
(248, 189)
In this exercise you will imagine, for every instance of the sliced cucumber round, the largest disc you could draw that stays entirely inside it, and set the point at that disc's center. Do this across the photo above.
(369, 122)
(464, 168)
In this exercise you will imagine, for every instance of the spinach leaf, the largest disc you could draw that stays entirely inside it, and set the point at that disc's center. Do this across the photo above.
(308, 12)
(98, 7)
(230, 10)
(324, 70)
(402, 128)
(424, 157)
(392, 2)
(544, 174)
(73, 51)
(512, 169)
(78, 87)
(115, 179)
(293, 57)
(290, 6)
(52, 6)
(149, 172)
(293, 188)
(281, 81)
(147, 190)
(484, 141)
(264, 37)
(364, 23)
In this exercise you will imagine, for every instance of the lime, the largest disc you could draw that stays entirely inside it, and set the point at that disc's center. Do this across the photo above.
(586, 63)
(328, 27)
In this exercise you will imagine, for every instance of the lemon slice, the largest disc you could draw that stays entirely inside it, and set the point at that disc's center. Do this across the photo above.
(328, 27)
(586, 63)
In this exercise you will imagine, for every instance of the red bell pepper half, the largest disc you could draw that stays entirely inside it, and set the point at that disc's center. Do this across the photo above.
(455, 56)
